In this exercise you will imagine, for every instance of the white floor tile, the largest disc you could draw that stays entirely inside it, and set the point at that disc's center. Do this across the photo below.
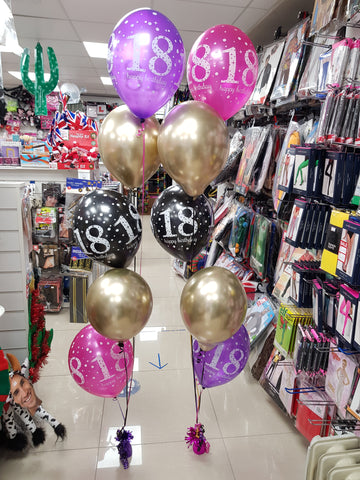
(173, 346)
(69, 464)
(80, 412)
(243, 408)
(163, 408)
(280, 457)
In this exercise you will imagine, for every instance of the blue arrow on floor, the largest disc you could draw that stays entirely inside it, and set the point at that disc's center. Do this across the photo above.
(159, 366)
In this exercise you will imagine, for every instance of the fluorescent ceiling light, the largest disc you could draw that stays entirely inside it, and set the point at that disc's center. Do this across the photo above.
(32, 77)
(106, 80)
(96, 49)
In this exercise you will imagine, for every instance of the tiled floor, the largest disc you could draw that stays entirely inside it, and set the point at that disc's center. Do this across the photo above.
(249, 436)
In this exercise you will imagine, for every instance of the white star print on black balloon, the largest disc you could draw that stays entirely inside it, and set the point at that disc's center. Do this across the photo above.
(107, 228)
(181, 224)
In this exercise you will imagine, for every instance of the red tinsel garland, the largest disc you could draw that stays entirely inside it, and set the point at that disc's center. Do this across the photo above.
(40, 339)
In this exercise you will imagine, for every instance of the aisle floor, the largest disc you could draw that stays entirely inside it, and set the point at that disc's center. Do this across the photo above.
(249, 436)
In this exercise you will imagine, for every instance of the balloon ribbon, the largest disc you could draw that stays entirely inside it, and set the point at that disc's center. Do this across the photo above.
(141, 132)
(196, 435)
(123, 436)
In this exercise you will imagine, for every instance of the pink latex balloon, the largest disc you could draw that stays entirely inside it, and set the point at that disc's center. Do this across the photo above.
(97, 363)
(222, 69)
(146, 60)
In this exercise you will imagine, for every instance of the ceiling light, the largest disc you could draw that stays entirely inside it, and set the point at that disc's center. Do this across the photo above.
(106, 80)
(96, 49)
(32, 77)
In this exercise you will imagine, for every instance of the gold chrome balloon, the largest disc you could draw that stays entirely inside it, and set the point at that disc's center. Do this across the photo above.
(121, 146)
(193, 145)
(118, 304)
(213, 305)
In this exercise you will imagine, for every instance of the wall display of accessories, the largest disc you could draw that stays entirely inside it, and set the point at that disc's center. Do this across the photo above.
(285, 223)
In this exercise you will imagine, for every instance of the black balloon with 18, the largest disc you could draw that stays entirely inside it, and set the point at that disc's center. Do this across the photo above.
(107, 228)
(181, 224)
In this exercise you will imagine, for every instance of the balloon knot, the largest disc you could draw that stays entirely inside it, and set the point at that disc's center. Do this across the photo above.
(141, 129)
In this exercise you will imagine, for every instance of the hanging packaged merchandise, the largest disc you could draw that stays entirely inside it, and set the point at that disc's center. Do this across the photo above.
(332, 243)
(323, 73)
(352, 169)
(331, 297)
(286, 170)
(356, 338)
(76, 188)
(337, 120)
(285, 253)
(240, 231)
(311, 351)
(292, 138)
(340, 54)
(354, 401)
(46, 257)
(339, 379)
(297, 221)
(273, 249)
(290, 61)
(348, 260)
(346, 315)
(45, 225)
(253, 152)
(50, 294)
(352, 8)
(352, 64)
(352, 134)
(304, 170)
(304, 272)
(268, 67)
(222, 230)
(322, 15)
(228, 173)
(283, 276)
(286, 327)
(51, 195)
(260, 245)
(345, 130)
(333, 176)
(279, 135)
(318, 304)
(242, 271)
(326, 113)
(314, 73)
(262, 165)
(258, 318)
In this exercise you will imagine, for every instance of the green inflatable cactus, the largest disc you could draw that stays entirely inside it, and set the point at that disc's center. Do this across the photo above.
(39, 88)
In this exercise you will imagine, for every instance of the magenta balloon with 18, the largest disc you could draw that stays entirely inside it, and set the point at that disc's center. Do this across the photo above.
(99, 365)
(222, 69)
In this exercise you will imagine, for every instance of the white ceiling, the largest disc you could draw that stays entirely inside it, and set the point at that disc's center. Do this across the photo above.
(65, 24)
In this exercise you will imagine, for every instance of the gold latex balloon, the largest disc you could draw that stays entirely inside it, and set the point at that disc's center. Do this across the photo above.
(193, 145)
(213, 305)
(121, 146)
(118, 304)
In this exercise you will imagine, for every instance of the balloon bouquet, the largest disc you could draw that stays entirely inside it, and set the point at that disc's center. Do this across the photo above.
(146, 61)
(193, 145)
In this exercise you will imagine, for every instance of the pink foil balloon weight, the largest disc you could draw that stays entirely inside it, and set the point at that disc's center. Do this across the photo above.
(146, 60)
(97, 364)
(222, 69)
